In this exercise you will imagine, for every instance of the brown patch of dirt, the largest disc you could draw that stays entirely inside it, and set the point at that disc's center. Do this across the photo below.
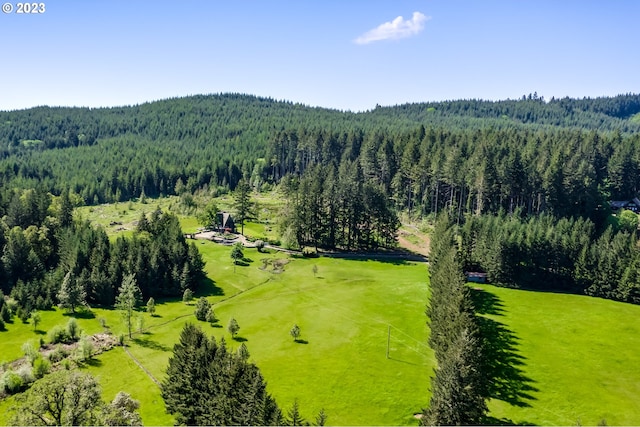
(421, 248)
(101, 342)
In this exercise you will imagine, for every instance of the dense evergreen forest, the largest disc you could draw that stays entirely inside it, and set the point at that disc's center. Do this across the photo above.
(527, 182)
(48, 258)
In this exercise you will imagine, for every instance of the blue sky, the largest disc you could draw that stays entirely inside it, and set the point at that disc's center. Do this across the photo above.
(349, 55)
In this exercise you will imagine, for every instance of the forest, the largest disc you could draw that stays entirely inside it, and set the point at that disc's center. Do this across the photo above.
(528, 181)
(48, 258)
(518, 189)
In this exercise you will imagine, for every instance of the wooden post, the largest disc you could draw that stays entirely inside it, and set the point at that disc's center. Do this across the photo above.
(388, 340)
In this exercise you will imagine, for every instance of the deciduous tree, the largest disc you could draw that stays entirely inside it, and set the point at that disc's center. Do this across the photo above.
(233, 327)
(295, 332)
(59, 399)
(127, 300)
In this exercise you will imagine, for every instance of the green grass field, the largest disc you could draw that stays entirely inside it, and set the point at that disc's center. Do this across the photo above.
(340, 364)
(559, 359)
(575, 358)
(120, 219)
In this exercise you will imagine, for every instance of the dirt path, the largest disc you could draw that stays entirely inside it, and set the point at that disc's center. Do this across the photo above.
(409, 237)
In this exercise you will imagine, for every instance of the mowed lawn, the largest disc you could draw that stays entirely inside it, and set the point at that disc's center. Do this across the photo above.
(340, 364)
(577, 358)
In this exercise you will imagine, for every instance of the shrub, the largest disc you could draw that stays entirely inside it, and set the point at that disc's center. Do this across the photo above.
(58, 354)
(30, 350)
(58, 334)
(309, 252)
(85, 349)
(11, 382)
(73, 329)
(202, 307)
(41, 367)
(274, 242)
(259, 245)
(26, 374)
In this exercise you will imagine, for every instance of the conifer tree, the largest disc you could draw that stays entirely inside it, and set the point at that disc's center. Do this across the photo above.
(242, 204)
(207, 384)
(294, 418)
(72, 294)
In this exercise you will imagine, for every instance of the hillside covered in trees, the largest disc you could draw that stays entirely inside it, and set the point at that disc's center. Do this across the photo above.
(345, 175)
(517, 189)
(113, 154)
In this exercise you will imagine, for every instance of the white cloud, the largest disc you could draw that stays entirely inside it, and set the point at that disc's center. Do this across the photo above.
(396, 29)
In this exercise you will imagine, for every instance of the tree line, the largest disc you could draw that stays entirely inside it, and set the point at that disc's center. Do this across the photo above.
(416, 151)
(48, 258)
(338, 208)
(460, 385)
(548, 253)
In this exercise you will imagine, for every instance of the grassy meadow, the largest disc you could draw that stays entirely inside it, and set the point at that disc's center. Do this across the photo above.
(340, 363)
(558, 359)
(574, 358)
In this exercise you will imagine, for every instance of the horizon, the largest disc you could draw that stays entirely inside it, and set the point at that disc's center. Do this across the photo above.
(335, 55)
(287, 101)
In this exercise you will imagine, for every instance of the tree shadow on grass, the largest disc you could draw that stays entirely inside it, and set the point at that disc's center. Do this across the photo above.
(150, 344)
(502, 361)
(493, 421)
(208, 288)
(299, 341)
(240, 339)
(486, 303)
(390, 257)
(84, 314)
(96, 363)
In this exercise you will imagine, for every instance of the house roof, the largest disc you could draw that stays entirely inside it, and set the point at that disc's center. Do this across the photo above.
(476, 274)
(618, 203)
(227, 220)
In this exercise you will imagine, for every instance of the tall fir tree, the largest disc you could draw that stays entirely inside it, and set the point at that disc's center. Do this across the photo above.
(206, 384)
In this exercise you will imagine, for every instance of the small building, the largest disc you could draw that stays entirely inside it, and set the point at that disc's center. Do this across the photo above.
(225, 222)
(476, 277)
(632, 205)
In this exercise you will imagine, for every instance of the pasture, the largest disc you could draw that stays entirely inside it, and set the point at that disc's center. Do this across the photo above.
(558, 359)
(574, 358)
(340, 364)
